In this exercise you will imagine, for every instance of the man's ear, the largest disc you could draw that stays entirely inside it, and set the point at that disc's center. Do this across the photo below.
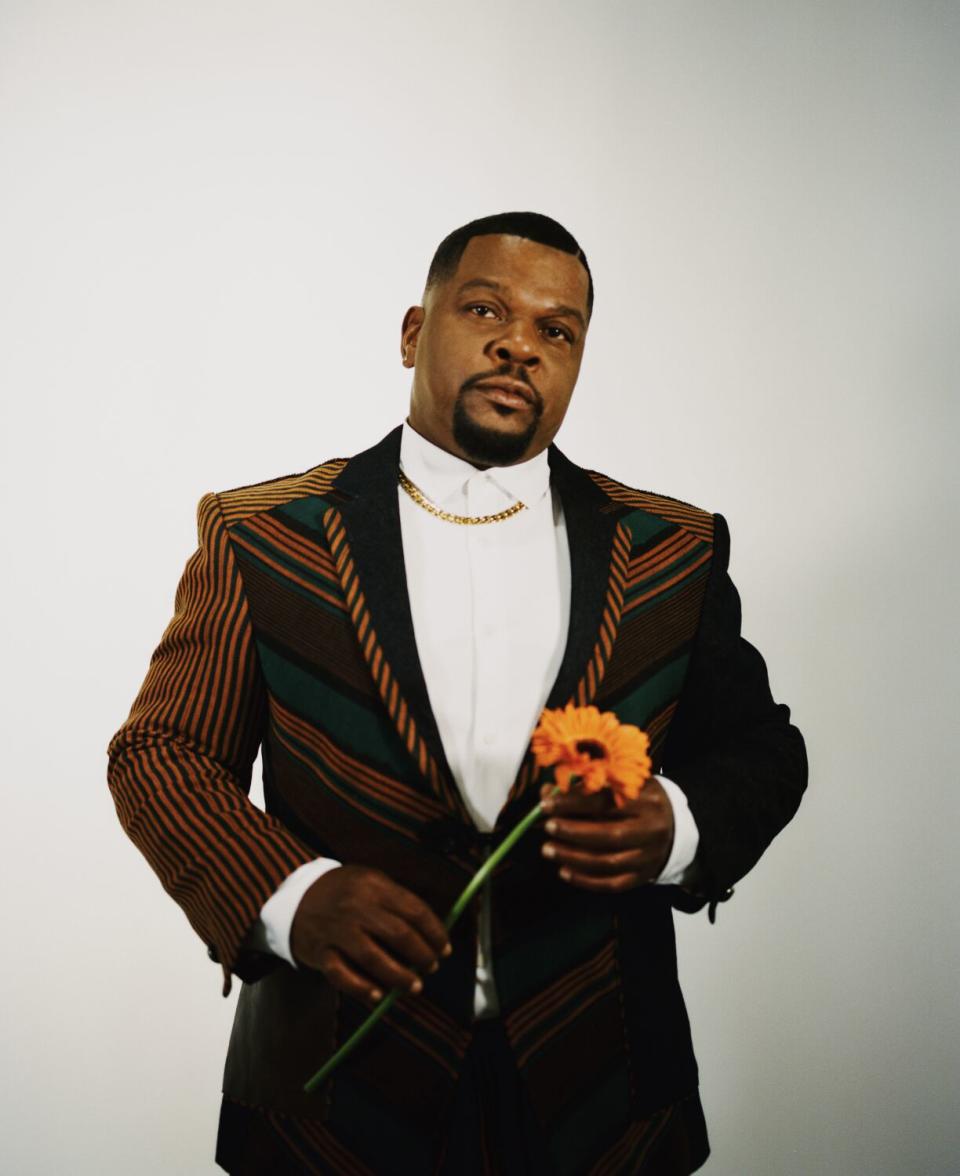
(410, 332)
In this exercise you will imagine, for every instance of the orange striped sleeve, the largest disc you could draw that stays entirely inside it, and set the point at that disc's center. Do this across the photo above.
(180, 766)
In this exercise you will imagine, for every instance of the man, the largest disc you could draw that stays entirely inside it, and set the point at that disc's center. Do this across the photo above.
(389, 628)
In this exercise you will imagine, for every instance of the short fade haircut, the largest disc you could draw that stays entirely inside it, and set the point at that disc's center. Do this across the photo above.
(531, 225)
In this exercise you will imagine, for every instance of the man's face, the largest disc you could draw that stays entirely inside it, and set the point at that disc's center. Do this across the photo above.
(496, 350)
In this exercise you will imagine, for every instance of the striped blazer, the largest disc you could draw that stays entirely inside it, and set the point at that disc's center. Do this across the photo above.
(292, 634)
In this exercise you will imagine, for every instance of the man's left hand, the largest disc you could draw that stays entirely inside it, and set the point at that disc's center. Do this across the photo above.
(600, 847)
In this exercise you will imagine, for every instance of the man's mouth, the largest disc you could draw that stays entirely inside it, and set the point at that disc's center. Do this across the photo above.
(509, 393)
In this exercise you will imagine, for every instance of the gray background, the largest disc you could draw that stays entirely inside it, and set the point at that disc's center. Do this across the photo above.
(212, 218)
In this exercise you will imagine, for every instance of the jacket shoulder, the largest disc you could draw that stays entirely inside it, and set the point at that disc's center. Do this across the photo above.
(691, 518)
(243, 501)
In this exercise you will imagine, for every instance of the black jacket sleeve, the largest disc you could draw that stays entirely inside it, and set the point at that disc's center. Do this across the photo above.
(732, 749)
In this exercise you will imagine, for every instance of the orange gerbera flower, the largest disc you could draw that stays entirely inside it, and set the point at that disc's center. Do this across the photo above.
(581, 743)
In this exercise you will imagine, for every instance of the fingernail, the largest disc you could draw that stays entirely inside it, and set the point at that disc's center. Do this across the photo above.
(551, 826)
(547, 805)
(434, 966)
(416, 985)
(376, 994)
(565, 874)
(549, 850)
(448, 949)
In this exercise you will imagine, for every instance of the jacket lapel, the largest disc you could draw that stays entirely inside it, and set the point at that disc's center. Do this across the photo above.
(363, 529)
(598, 553)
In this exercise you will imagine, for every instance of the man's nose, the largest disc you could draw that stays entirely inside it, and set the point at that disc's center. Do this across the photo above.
(518, 343)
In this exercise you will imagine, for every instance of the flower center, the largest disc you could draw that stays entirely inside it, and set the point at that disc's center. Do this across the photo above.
(591, 749)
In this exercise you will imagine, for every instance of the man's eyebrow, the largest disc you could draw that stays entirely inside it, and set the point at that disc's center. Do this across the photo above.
(561, 311)
(569, 311)
(487, 282)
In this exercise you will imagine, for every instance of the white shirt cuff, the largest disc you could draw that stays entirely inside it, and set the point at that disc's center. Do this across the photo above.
(271, 932)
(686, 836)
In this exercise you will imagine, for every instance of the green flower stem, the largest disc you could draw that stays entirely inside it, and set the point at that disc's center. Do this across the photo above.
(475, 883)
(350, 1045)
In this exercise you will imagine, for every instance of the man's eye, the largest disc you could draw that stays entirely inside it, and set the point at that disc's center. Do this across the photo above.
(562, 333)
(481, 306)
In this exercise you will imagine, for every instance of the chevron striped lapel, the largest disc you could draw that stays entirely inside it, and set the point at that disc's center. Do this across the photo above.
(363, 530)
(599, 546)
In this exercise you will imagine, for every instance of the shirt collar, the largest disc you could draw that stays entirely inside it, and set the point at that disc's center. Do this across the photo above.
(442, 476)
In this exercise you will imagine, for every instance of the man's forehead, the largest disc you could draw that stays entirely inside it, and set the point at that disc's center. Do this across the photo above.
(514, 263)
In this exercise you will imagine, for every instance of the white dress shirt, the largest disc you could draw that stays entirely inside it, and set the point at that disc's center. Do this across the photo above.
(491, 608)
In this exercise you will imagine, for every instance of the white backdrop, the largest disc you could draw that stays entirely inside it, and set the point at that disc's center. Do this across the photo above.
(212, 218)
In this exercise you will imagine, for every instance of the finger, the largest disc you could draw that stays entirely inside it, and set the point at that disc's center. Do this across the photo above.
(599, 864)
(651, 797)
(601, 802)
(613, 883)
(344, 975)
(403, 939)
(383, 966)
(648, 831)
(609, 836)
(425, 922)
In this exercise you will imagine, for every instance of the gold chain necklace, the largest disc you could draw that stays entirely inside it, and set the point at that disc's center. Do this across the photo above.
(464, 520)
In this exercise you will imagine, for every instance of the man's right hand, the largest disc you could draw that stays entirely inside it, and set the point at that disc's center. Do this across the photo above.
(366, 933)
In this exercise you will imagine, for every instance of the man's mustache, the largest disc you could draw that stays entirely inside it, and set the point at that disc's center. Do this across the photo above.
(519, 377)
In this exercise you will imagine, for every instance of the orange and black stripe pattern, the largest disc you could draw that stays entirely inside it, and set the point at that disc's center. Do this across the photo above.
(180, 766)
(383, 676)
(610, 621)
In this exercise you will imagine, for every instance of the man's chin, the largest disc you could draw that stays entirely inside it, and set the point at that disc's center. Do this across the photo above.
(488, 443)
